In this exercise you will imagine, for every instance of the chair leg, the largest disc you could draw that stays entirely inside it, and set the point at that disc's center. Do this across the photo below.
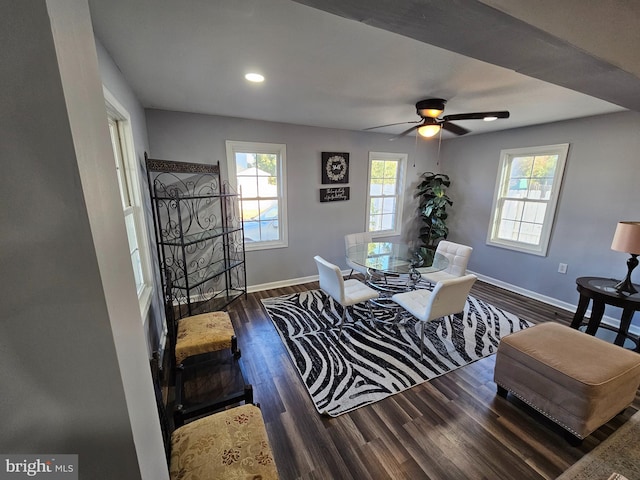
(422, 340)
(324, 305)
(373, 319)
(344, 311)
(235, 351)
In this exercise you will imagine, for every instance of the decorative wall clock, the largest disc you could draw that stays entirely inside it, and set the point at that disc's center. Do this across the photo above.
(335, 167)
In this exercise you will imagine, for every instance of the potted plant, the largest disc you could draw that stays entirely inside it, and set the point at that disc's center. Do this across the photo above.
(432, 208)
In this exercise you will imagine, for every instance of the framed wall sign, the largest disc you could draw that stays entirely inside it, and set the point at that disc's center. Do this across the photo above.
(335, 167)
(334, 194)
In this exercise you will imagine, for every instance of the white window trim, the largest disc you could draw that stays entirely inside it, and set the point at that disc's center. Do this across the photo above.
(118, 112)
(562, 150)
(233, 146)
(402, 166)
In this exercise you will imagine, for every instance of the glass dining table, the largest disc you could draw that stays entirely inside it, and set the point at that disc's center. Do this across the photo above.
(401, 262)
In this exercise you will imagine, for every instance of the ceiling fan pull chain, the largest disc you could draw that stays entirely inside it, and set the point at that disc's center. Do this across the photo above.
(439, 143)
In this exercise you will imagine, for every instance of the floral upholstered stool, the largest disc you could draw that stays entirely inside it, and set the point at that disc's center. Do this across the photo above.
(204, 333)
(205, 345)
(578, 381)
(231, 444)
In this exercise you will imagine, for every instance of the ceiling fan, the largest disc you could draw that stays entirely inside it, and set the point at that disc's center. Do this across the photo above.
(431, 123)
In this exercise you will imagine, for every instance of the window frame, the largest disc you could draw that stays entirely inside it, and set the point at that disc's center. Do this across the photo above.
(402, 159)
(279, 149)
(502, 181)
(135, 210)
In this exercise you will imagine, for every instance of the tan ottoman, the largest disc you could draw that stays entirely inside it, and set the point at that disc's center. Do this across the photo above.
(578, 381)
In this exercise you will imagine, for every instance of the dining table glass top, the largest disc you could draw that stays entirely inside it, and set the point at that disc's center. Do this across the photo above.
(399, 258)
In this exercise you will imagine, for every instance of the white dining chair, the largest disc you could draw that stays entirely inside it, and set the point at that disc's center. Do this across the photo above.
(458, 256)
(351, 240)
(345, 292)
(376, 279)
(447, 298)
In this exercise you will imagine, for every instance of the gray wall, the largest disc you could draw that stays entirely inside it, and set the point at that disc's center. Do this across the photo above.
(601, 187)
(314, 228)
(74, 369)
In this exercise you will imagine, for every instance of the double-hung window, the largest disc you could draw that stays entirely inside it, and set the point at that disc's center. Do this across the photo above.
(526, 196)
(385, 193)
(257, 171)
(131, 197)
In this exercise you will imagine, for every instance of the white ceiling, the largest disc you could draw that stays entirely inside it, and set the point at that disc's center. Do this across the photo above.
(321, 69)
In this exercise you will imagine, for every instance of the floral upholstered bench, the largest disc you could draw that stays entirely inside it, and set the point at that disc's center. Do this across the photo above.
(205, 342)
(226, 445)
(231, 444)
(204, 333)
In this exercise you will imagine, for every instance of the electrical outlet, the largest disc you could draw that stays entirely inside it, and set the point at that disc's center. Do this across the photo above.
(562, 268)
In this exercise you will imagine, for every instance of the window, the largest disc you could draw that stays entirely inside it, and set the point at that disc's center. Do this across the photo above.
(384, 199)
(525, 198)
(256, 170)
(131, 197)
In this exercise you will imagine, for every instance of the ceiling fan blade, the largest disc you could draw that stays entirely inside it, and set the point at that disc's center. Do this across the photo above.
(406, 132)
(475, 116)
(453, 128)
(390, 125)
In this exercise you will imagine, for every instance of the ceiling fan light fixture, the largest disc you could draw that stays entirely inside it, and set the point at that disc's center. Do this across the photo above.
(429, 130)
(432, 112)
(430, 108)
(431, 123)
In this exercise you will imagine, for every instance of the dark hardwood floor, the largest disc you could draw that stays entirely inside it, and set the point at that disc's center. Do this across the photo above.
(452, 427)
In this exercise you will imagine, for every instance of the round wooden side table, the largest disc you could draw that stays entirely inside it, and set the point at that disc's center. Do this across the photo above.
(602, 292)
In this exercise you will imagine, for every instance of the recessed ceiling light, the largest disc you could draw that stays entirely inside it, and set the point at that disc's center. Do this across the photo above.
(490, 119)
(254, 77)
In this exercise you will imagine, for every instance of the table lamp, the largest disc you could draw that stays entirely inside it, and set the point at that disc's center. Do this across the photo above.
(627, 239)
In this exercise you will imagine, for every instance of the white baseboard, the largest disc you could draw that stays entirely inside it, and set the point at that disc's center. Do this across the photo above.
(285, 283)
(613, 322)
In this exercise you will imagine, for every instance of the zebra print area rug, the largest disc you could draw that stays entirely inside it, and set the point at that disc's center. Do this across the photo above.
(373, 361)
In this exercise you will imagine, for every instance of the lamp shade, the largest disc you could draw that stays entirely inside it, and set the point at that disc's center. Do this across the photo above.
(627, 238)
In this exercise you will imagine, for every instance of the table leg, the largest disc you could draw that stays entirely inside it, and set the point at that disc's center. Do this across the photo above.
(625, 322)
(596, 316)
(583, 303)
(414, 278)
